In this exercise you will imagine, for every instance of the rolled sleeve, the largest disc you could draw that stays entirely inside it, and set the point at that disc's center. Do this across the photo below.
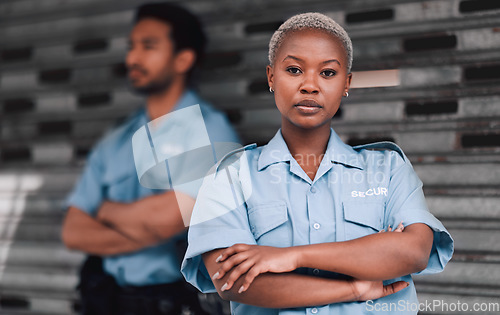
(407, 204)
(88, 192)
(219, 220)
(193, 268)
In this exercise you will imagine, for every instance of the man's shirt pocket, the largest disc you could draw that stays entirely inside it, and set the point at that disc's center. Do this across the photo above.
(121, 188)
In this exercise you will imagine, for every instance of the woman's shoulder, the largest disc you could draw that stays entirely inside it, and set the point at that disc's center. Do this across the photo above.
(382, 153)
(234, 158)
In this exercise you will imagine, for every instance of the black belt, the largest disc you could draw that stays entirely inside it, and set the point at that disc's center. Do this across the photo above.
(101, 295)
(172, 299)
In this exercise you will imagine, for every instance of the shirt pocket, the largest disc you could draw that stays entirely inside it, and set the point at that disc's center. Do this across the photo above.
(362, 219)
(267, 224)
(122, 188)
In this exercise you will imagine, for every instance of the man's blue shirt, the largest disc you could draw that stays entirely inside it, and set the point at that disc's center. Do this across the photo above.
(110, 174)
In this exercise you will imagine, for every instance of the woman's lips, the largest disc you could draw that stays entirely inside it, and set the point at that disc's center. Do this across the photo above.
(308, 106)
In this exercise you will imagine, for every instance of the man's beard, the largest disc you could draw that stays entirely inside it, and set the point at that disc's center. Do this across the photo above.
(154, 87)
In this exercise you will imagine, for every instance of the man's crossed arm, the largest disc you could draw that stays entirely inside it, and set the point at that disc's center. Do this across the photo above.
(125, 227)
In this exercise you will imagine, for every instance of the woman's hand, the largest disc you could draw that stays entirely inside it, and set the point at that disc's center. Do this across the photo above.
(253, 260)
(365, 290)
(399, 228)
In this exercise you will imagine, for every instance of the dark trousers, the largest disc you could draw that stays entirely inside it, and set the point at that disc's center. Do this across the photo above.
(100, 295)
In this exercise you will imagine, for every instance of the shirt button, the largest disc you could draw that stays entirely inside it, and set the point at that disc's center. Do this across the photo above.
(314, 310)
(316, 226)
(313, 190)
(315, 271)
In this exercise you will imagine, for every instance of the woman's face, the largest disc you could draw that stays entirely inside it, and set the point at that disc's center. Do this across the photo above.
(309, 78)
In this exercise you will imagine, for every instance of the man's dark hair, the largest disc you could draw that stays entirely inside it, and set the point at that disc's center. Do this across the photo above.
(187, 31)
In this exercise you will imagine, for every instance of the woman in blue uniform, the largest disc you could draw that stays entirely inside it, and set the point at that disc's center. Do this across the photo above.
(292, 227)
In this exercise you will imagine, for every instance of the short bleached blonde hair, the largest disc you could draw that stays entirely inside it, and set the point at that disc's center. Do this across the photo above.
(312, 20)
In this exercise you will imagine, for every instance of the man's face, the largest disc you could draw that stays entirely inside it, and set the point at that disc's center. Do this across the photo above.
(150, 58)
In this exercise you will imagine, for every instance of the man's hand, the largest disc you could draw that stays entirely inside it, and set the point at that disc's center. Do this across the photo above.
(149, 220)
(107, 210)
(118, 216)
(253, 260)
(83, 232)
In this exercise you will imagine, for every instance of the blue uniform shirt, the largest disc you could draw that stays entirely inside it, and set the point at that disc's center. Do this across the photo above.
(264, 197)
(110, 174)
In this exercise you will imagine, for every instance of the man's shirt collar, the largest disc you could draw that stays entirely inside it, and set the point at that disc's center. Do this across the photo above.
(188, 98)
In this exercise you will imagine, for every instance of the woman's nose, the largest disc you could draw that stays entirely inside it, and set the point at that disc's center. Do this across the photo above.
(309, 86)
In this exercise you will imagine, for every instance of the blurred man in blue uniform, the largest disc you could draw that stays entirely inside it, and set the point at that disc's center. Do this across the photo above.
(138, 230)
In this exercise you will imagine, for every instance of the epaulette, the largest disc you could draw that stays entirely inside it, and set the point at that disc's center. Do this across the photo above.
(383, 145)
(232, 156)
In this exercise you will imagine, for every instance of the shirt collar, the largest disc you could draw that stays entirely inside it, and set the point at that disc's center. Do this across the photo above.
(274, 151)
(337, 151)
(188, 98)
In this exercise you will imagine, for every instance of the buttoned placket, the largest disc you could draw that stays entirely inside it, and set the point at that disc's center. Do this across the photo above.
(316, 210)
(337, 191)
(315, 206)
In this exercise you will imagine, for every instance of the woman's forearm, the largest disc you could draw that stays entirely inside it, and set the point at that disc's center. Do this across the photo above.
(374, 257)
(286, 290)
(283, 290)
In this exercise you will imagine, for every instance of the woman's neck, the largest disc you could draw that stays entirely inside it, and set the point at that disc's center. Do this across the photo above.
(307, 146)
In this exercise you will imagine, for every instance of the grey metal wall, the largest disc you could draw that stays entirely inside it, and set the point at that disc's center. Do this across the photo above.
(62, 84)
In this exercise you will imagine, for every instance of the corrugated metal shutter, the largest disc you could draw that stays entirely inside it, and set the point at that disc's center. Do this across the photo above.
(62, 85)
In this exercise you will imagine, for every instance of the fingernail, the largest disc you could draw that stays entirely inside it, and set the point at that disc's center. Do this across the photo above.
(407, 284)
(218, 259)
(215, 276)
(241, 289)
(224, 287)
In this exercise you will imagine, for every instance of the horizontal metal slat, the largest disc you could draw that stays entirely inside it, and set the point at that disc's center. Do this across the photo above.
(43, 255)
(38, 279)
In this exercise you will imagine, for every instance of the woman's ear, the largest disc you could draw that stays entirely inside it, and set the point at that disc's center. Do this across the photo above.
(270, 76)
(347, 82)
(184, 60)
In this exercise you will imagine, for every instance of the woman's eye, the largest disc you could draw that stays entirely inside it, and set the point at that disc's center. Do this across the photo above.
(329, 73)
(293, 70)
